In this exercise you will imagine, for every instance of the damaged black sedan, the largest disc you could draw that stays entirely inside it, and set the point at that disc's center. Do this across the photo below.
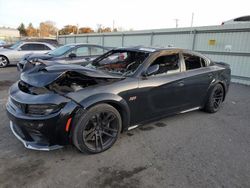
(89, 106)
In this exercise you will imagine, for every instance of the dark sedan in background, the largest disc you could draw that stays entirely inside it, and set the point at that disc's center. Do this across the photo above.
(90, 106)
(70, 53)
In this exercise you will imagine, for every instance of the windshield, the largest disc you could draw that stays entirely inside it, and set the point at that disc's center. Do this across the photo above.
(119, 62)
(16, 45)
(61, 50)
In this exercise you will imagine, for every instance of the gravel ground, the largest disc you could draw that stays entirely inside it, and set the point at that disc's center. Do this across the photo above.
(195, 149)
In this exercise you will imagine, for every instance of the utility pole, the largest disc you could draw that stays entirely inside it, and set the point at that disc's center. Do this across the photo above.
(176, 22)
(192, 19)
(113, 25)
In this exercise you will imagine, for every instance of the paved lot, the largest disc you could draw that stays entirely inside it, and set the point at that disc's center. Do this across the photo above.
(195, 149)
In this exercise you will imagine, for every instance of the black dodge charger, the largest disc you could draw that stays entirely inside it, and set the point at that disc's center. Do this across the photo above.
(89, 106)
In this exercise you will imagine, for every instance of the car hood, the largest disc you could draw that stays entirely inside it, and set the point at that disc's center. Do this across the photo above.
(5, 50)
(42, 75)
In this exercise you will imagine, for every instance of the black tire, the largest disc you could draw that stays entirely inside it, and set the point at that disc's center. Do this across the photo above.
(215, 99)
(97, 129)
(3, 61)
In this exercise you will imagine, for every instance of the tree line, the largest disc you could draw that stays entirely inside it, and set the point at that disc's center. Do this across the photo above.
(48, 29)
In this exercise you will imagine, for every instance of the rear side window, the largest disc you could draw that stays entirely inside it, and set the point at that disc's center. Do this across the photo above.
(96, 51)
(34, 47)
(193, 61)
(82, 51)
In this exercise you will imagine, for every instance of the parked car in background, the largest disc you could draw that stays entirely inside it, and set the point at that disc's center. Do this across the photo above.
(51, 41)
(2, 43)
(90, 106)
(14, 53)
(242, 19)
(69, 53)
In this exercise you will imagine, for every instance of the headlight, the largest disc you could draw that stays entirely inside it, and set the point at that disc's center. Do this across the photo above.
(43, 109)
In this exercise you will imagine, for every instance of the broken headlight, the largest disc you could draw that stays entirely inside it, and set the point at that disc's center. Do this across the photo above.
(43, 109)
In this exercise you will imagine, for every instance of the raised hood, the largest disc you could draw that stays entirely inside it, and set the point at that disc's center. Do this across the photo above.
(42, 75)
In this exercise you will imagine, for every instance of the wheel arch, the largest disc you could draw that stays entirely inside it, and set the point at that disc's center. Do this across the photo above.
(212, 86)
(115, 101)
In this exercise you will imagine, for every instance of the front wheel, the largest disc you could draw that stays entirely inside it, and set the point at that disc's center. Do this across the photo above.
(97, 129)
(215, 99)
(3, 61)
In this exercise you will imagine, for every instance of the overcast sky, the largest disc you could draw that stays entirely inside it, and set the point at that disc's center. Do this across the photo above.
(135, 14)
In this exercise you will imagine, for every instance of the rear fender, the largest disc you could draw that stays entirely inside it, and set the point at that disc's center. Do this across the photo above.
(211, 87)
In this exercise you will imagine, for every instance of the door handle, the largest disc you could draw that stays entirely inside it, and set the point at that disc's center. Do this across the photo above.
(180, 84)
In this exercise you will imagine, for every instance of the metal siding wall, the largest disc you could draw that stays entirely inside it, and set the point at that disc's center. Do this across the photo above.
(135, 40)
(239, 42)
(70, 39)
(82, 39)
(112, 41)
(232, 43)
(95, 40)
(61, 40)
(176, 40)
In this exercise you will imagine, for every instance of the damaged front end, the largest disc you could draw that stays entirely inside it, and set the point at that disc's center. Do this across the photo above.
(63, 79)
(39, 108)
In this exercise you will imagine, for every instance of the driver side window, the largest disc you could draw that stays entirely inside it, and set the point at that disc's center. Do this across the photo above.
(81, 51)
(168, 64)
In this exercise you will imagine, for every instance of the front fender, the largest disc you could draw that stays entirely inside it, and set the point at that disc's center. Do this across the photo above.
(115, 100)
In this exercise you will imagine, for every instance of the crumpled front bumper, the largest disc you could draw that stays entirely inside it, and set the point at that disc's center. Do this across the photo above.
(43, 132)
(31, 144)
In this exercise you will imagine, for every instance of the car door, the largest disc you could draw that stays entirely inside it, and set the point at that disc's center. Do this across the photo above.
(199, 76)
(20, 51)
(28, 48)
(40, 48)
(163, 92)
(78, 55)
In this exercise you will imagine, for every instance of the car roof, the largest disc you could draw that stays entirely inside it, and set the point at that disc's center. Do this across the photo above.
(88, 44)
(81, 44)
(238, 19)
(159, 49)
(149, 49)
(33, 42)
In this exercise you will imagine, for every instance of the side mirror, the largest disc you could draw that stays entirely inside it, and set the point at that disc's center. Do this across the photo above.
(72, 55)
(87, 59)
(151, 70)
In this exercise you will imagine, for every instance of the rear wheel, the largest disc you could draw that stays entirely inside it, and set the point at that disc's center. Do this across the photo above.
(215, 99)
(97, 129)
(3, 61)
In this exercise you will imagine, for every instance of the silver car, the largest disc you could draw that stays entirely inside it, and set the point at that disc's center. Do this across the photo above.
(14, 53)
(242, 19)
